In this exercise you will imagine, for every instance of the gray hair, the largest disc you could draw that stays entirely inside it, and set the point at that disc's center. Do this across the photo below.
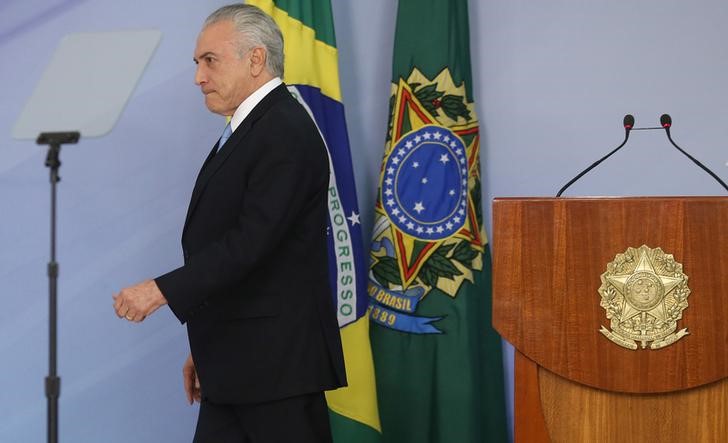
(256, 28)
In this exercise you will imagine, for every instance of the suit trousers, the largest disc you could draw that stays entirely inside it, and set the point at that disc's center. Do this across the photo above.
(300, 419)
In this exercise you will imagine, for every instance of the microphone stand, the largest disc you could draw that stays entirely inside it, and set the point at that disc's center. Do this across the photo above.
(703, 167)
(596, 163)
(666, 122)
(54, 140)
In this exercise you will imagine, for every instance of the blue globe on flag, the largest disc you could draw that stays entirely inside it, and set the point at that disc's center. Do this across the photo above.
(425, 183)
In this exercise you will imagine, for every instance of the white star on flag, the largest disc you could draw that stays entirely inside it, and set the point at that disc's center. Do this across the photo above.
(416, 164)
(419, 208)
(354, 218)
(444, 159)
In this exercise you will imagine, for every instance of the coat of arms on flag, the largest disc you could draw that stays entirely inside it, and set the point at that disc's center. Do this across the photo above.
(428, 224)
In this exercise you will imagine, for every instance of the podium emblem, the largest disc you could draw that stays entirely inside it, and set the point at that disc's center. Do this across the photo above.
(644, 292)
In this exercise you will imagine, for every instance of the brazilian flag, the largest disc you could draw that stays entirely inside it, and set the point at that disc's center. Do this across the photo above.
(312, 75)
(438, 361)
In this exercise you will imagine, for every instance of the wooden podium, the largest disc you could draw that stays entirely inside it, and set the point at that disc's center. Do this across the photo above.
(572, 384)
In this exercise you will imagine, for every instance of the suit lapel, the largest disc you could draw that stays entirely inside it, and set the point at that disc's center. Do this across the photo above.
(215, 161)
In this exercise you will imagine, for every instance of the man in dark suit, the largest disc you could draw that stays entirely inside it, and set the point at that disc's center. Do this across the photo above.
(254, 286)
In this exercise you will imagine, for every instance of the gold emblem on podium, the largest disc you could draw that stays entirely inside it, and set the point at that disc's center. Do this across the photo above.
(644, 292)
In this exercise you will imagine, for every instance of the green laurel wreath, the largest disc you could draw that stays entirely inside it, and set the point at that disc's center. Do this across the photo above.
(452, 105)
(438, 265)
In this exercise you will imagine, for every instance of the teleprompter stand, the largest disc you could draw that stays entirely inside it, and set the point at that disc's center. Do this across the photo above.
(119, 57)
(54, 140)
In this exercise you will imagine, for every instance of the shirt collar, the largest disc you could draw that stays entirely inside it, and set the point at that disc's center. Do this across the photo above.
(253, 99)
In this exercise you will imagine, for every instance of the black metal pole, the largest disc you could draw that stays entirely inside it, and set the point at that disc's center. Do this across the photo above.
(52, 381)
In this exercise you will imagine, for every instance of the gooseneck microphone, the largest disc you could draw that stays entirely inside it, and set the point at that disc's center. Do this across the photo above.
(628, 123)
(666, 123)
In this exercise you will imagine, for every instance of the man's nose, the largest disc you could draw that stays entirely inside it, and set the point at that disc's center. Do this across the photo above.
(199, 75)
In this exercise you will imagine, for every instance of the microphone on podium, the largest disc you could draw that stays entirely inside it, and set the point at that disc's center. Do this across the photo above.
(628, 123)
(666, 123)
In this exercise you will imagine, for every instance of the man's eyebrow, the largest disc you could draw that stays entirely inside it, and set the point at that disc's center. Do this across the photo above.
(206, 54)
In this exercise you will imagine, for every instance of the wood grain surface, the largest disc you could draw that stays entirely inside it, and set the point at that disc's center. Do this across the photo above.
(576, 413)
(549, 255)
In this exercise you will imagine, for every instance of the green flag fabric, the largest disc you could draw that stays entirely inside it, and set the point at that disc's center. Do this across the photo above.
(437, 360)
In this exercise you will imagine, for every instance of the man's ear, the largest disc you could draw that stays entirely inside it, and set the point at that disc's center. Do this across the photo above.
(257, 60)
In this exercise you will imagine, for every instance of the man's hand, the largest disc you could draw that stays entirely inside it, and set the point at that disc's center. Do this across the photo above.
(191, 382)
(136, 302)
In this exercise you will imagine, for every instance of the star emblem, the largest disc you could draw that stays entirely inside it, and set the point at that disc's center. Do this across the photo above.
(461, 144)
(354, 218)
(644, 290)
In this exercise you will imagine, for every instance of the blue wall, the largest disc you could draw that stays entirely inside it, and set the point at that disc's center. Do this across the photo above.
(552, 82)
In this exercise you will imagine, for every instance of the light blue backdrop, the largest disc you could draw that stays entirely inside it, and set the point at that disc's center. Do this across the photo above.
(552, 82)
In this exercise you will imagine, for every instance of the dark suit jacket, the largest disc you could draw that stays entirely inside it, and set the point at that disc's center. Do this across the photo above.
(254, 288)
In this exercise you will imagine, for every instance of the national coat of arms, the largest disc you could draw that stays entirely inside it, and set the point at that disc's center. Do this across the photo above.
(428, 230)
(644, 292)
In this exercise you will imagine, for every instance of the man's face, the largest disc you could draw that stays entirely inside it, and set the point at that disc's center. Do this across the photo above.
(224, 76)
